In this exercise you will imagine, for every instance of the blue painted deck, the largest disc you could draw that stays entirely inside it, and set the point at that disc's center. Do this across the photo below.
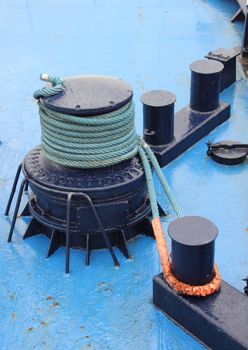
(150, 44)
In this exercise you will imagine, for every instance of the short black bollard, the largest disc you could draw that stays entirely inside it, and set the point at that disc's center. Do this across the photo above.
(219, 320)
(205, 85)
(158, 117)
(192, 254)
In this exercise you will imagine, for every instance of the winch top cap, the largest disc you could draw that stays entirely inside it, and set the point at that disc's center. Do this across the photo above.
(89, 95)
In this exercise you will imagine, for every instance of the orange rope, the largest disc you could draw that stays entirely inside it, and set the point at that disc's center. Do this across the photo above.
(180, 287)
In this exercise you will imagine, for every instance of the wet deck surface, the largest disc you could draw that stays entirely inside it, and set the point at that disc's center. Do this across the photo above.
(149, 44)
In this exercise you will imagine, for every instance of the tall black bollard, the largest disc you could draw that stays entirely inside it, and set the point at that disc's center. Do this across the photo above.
(205, 85)
(158, 117)
(193, 240)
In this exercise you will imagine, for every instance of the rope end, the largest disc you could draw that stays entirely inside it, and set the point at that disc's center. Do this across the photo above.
(45, 77)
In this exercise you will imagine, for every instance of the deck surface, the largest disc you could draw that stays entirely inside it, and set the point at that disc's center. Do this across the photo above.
(150, 44)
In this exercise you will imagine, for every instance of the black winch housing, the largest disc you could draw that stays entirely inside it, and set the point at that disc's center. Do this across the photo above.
(119, 194)
(85, 208)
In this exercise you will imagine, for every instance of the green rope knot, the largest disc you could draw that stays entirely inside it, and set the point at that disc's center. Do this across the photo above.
(56, 88)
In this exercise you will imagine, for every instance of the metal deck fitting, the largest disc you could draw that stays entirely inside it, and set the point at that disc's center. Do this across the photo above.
(190, 124)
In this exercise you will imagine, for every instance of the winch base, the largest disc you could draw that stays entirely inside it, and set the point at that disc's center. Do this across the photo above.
(87, 217)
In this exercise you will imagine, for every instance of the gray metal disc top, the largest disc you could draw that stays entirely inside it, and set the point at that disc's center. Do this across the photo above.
(206, 67)
(158, 98)
(90, 95)
(192, 231)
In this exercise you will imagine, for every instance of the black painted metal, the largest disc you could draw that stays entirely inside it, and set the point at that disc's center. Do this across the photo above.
(239, 15)
(228, 152)
(158, 117)
(219, 321)
(246, 287)
(54, 243)
(85, 221)
(119, 189)
(84, 208)
(242, 14)
(88, 250)
(190, 127)
(18, 202)
(245, 37)
(90, 95)
(25, 211)
(122, 244)
(34, 228)
(102, 182)
(192, 250)
(195, 121)
(205, 85)
(13, 190)
(228, 58)
(68, 231)
(97, 220)
(242, 4)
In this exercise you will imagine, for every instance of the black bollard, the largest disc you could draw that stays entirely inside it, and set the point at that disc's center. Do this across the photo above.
(220, 320)
(158, 117)
(205, 85)
(228, 58)
(169, 135)
(192, 253)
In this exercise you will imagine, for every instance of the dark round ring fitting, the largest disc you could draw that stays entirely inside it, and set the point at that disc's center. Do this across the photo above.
(228, 156)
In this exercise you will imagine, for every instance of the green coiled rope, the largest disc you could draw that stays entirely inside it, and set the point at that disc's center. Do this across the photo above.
(97, 141)
(88, 142)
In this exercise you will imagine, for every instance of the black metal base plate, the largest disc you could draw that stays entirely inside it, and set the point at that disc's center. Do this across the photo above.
(190, 127)
(220, 321)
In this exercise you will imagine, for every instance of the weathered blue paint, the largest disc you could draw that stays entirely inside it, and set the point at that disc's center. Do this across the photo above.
(149, 44)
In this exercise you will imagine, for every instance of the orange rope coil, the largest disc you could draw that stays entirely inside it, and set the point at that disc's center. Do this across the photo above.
(174, 283)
